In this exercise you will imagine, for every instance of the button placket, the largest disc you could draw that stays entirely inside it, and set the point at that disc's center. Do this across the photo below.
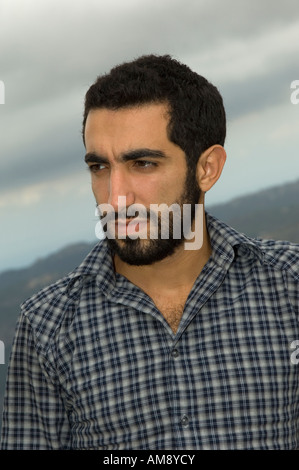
(184, 421)
(175, 353)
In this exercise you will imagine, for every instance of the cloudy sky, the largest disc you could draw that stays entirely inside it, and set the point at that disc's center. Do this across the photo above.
(52, 50)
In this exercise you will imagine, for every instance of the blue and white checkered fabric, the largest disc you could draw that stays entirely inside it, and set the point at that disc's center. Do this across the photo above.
(96, 366)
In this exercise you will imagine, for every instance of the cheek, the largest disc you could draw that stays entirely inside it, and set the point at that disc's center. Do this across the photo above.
(100, 191)
(164, 192)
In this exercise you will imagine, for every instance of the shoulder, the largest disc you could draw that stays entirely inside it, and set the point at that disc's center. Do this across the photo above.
(280, 254)
(55, 304)
(276, 254)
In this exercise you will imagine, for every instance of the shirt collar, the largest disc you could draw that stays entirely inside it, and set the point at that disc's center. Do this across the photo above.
(226, 244)
(97, 264)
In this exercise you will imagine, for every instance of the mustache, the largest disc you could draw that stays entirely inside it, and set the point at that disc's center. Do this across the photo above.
(123, 218)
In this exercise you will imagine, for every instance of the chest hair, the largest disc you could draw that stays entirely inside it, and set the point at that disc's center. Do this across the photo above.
(171, 311)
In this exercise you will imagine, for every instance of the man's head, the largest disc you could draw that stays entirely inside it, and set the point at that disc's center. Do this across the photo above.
(196, 112)
(153, 132)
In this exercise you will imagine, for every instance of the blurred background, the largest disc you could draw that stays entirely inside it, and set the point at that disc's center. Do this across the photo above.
(52, 50)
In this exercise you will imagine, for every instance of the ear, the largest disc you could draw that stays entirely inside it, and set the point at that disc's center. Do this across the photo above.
(210, 166)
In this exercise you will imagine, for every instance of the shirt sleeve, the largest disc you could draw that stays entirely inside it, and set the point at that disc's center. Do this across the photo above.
(34, 415)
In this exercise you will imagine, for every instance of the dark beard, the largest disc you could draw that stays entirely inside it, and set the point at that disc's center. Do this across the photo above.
(140, 252)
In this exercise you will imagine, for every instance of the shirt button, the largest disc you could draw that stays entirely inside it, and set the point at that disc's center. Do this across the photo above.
(185, 421)
(175, 353)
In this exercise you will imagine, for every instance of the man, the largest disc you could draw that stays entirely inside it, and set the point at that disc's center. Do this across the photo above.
(150, 344)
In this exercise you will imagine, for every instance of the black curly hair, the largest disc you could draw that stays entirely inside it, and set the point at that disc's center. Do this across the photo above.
(196, 113)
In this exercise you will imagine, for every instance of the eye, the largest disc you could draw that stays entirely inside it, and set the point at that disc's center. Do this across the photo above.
(96, 167)
(144, 164)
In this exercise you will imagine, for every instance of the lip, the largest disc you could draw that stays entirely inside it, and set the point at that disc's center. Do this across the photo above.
(123, 222)
(131, 226)
(135, 220)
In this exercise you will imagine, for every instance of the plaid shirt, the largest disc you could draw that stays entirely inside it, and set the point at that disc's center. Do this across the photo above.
(96, 366)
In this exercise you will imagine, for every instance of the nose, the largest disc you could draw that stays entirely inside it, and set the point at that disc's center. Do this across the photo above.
(121, 194)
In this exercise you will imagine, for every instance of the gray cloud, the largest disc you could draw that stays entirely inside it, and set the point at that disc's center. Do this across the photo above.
(54, 46)
(258, 93)
(52, 51)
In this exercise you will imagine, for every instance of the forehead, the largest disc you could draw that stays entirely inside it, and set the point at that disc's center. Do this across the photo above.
(138, 123)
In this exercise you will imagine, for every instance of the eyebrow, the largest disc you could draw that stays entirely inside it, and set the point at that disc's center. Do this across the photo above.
(93, 157)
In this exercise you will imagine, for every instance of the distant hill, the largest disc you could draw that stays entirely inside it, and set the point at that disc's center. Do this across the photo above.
(272, 213)
(17, 285)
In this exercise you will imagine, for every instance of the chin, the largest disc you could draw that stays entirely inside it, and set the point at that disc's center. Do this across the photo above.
(144, 252)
